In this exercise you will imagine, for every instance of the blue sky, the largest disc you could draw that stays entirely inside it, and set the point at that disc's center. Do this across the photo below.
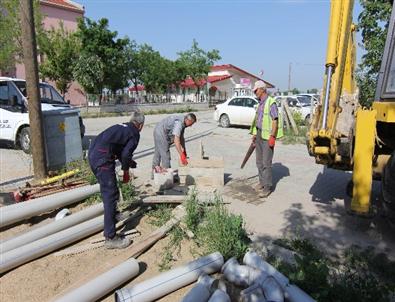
(254, 35)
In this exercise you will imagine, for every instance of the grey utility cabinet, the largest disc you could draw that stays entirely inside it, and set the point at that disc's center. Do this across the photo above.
(62, 134)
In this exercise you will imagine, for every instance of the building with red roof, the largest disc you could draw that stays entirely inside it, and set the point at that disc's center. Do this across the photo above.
(222, 82)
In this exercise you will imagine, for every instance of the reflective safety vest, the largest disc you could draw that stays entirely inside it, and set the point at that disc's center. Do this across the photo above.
(267, 121)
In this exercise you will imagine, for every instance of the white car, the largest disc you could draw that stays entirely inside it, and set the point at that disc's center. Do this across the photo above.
(239, 110)
(298, 103)
(14, 117)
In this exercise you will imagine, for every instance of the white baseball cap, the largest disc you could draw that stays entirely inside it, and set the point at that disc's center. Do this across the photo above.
(259, 84)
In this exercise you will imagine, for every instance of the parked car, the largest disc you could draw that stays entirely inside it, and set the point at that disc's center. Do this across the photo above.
(14, 117)
(297, 103)
(312, 97)
(239, 110)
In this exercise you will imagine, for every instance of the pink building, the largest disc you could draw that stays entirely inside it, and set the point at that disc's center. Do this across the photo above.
(55, 11)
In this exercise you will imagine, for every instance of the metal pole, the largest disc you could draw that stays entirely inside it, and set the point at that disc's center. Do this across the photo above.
(289, 78)
(34, 104)
(329, 72)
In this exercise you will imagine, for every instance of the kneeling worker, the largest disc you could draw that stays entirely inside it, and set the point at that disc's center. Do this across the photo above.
(168, 131)
(117, 142)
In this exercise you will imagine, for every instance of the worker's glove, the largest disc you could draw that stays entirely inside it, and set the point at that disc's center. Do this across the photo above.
(126, 176)
(132, 164)
(272, 141)
(184, 159)
(254, 139)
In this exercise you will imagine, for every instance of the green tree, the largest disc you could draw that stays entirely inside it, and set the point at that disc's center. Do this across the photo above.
(295, 91)
(88, 71)
(61, 50)
(134, 64)
(373, 24)
(314, 90)
(98, 42)
(11, 32)
(196, 62)
(150, 62)
(117, 76)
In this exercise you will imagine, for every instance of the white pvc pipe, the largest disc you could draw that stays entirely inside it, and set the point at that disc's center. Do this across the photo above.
(33, 250)
(219, 296)
(292, 292)
(104, 283)
(50, 228)
(202, 290)
(18, 212)
(254, 293)
(165, 283)
(241, 275)
(254, 260)
(272, 290)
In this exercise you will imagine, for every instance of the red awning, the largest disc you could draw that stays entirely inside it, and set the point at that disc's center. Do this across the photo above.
(189, 83)
(139, 88)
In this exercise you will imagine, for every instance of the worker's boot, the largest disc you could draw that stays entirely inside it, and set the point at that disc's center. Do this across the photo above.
(265, 193)
(258, 187)
(117, 242)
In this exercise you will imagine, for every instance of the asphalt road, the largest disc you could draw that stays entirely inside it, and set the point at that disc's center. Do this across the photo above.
(309, 199)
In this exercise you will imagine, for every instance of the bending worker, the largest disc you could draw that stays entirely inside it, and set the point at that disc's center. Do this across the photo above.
(117, 142)
(168, 131)
(265, 129)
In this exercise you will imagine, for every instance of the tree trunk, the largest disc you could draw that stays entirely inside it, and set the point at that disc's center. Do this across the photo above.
(33, 92)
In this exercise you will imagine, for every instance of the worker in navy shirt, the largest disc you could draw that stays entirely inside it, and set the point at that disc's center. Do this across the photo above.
(117, 142)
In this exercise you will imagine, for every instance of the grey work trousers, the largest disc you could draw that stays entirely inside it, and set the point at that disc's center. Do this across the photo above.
(162, 149)
(264, 157)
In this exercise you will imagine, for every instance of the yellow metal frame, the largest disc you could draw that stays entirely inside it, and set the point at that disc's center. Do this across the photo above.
(365, 131)
(385, 111)
(323, 143)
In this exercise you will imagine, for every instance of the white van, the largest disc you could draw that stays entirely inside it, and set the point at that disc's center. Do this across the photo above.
(14, 117)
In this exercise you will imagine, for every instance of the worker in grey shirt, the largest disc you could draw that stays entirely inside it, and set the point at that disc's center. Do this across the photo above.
(168, 131)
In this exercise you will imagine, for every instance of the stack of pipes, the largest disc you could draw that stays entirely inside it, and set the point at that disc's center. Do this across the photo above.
(47, 238)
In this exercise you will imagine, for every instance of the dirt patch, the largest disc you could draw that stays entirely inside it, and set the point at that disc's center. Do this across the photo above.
(242, 189)
(50, 275)
(44, 278)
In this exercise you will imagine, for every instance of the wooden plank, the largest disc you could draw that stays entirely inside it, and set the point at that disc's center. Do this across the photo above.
(291, 119)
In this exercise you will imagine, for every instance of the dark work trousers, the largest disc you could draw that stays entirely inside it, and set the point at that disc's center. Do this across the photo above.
(264, 157)
(162, 149)
(107, 179)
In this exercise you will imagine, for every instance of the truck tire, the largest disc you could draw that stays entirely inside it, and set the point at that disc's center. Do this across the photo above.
(388, 188)
(24, 140)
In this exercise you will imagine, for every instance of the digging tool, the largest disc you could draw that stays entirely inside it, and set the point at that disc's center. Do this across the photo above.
(248, 154)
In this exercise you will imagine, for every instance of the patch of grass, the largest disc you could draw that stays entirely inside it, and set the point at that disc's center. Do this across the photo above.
(290, 138)
(93, 199)
(361, 275)
(160, 215)
(128, 193)
(215, 229)
(102, 114)
(147, 112)
(85, 170)
(222, 231)
(172, 248)
(194, 212)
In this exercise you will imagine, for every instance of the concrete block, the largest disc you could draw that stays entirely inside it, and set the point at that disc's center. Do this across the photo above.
(203, 173)
(164, 181)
